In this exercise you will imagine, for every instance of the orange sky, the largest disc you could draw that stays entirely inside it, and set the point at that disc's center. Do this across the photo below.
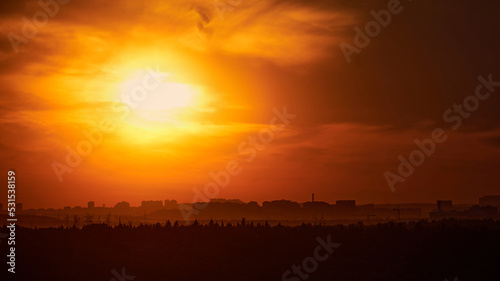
(217, 82)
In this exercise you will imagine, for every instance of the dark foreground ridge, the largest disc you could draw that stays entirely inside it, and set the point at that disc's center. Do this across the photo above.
(439, 250)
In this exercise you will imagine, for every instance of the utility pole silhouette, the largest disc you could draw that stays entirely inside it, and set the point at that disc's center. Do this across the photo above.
(90, 219)
(76, 221)
(314, 210)
(399, 212)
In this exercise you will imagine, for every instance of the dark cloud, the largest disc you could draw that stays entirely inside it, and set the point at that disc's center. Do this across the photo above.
(424, 61)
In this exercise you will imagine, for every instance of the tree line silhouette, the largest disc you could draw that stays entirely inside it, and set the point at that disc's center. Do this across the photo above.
(423, 250)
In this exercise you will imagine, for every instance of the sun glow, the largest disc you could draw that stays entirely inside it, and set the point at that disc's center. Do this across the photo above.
(151, 97)
(170, 96)
(161, 108)
(146, 93)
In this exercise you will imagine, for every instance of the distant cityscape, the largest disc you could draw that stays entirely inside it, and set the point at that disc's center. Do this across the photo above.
(285, 211)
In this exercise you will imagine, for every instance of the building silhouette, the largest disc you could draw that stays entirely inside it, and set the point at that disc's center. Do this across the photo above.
(346, 203)
(490, 200)
(122, 205)
(444, 205)
(171, 204)
(152, 205)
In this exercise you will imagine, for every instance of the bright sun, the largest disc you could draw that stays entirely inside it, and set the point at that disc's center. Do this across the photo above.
(146, 93)
(161, 108)
(155, 99)
(168, 96)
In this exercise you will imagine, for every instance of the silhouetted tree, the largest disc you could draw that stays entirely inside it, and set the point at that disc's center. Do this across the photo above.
(366, 252)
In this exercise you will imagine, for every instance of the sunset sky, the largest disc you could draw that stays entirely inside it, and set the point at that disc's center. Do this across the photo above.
(220, 73)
